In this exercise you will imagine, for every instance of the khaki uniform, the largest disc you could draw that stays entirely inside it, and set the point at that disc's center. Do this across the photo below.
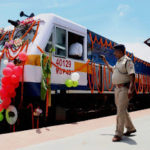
(121, 71)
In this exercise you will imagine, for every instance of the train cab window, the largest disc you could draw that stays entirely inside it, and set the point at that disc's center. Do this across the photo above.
(60, 42)
(75, 46)
(49, 44)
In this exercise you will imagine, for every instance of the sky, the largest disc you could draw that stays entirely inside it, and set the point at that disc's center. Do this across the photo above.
(123, 21)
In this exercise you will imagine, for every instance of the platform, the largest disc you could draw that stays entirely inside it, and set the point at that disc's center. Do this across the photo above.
(95, 134)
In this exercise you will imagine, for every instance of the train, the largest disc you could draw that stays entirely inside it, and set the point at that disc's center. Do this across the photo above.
(47, 38)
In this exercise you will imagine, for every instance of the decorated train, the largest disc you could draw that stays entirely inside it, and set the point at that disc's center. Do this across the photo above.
(42, 84)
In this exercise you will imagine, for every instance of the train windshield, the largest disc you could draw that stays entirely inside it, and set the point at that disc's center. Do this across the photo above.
(22, 30)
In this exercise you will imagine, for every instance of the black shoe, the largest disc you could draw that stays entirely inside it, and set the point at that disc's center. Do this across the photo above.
(128, 133)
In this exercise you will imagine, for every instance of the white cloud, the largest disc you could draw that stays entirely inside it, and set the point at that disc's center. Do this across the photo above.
(123, 9)
(121, 14)
(139, 50)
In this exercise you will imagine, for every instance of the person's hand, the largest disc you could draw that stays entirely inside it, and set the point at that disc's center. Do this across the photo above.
(103, 57)
(129, 94)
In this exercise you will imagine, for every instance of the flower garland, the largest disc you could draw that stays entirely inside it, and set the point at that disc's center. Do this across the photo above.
(28, 30)
(13, 43)
(19, 50)
(38, 23)
(3, 35)
(26, 21)
(1, 30)
(17, 45)
(18, 42)
(106, 45)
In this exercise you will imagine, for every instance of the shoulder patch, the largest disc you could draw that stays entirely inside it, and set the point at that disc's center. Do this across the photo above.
(128, 58)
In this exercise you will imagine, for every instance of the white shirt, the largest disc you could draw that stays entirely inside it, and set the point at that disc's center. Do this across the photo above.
(76, 49)
(121, 72)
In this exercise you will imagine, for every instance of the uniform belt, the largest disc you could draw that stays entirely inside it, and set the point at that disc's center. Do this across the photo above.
(122, 85)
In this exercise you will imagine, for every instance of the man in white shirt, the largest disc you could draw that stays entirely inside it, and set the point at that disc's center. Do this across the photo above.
(76, 50)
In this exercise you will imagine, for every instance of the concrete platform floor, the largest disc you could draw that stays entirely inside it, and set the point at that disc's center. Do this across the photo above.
(95, 134)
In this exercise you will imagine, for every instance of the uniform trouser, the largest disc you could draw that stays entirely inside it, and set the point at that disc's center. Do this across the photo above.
(123, 118)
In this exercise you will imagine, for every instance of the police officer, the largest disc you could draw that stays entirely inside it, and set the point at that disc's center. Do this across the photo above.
(123, 77)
